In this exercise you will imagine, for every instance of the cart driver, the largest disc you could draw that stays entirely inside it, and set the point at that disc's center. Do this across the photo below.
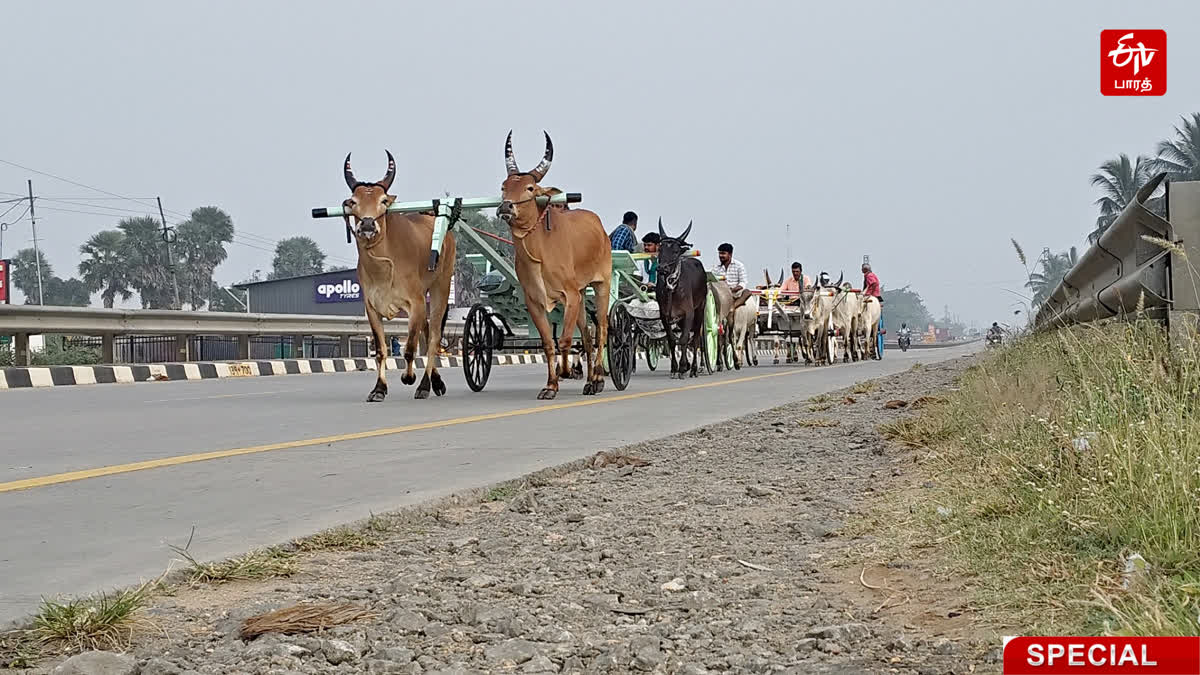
(650, 244)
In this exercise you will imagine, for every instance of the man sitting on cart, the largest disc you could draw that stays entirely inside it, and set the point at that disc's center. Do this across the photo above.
(793, 285)
(650, 244)
(732, 270)
(623, 238)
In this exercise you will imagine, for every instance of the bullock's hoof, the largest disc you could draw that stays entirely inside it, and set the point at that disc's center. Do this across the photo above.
(845, 359)
(775, 362)
(547, 394)
(439, 387)
(589, 389)
(378, 393)
(423, 389)
(408, 379)
(577, 371)
(598, 385)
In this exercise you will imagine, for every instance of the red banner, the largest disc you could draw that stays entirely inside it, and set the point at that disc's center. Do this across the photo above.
(4, 290)
(1102, 655)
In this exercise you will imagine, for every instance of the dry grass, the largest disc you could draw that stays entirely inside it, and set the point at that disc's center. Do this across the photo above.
(865, 387)
(264, 563)
(338, 539)
(820, 398)
(1060, 456)
(305, 618)
(820, 408)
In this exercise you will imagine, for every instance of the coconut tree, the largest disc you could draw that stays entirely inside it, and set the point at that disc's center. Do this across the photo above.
(1119, 181)
(1053, 268)
(104, 268)
(1180, 158)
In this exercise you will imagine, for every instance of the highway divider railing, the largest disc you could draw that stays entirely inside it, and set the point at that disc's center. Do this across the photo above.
(21, 321)
(1139, 265)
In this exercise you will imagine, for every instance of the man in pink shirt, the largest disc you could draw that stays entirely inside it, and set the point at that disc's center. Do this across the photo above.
(871, 283)
(795, 283)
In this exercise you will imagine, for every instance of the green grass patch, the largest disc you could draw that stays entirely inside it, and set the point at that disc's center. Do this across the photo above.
(500, 493)
(1060, 458)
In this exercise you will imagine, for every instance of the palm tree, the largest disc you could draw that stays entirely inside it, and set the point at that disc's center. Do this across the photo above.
(1119, 181)
(1054, 267)
(104, 267)
(1180, 158)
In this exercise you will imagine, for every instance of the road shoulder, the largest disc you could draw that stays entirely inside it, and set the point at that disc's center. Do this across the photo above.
(738, 547)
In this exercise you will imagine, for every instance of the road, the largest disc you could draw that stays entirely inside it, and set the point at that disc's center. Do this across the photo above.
(291, 455)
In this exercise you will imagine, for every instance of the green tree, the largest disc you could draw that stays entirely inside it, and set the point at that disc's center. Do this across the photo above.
(1119, 181)
(104, 268)
(199, 249)
(296, 257)
(904, 306)
(70, 292)
(145, 257)
(466, 277)
(1053, 268)
(1180, 158)
(25, 275)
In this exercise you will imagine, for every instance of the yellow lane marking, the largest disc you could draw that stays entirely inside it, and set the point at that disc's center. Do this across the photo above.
(84, 474)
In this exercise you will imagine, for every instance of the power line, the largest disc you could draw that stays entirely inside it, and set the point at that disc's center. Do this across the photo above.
(144, 201)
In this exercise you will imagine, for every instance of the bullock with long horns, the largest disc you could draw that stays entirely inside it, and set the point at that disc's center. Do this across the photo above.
(560, 253)
(393, 252)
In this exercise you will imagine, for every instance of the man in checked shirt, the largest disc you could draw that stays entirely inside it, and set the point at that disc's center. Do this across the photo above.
(733, 271)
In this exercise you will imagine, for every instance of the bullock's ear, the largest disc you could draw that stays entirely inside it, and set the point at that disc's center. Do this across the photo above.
(388, 200)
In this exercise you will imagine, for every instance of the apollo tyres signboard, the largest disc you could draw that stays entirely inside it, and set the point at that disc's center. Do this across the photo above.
(338, 287)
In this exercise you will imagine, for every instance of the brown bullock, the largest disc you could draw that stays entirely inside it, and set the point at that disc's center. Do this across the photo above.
(393, 254)
(560, 252)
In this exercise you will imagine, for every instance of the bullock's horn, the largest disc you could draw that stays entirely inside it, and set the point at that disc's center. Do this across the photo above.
(510, 162)
(780, 276)
(767, 276)
(661, 232)
(539, 171)
(350, 180)
(683, 237)
(841, 277)
(391, 172)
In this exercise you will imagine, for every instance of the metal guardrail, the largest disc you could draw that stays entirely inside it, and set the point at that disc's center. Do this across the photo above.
(1135, 265)
(25, 320)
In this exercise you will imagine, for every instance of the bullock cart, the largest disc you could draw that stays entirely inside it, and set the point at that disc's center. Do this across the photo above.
(650, 339)
(783, 316)
(501, 313)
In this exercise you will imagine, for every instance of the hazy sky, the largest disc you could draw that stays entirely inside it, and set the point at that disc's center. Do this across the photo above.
(924, 134)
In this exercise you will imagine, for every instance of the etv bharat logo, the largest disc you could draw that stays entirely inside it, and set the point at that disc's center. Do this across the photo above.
(1133, 62)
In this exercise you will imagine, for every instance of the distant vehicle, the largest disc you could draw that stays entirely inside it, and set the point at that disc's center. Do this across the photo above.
(905, 341)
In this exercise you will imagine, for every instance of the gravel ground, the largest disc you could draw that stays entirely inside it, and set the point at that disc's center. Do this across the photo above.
(725, 554)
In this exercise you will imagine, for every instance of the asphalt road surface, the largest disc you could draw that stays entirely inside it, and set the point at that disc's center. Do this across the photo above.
(96, 481)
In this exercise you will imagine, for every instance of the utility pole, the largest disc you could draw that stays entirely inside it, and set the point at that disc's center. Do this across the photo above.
(788, 237)
(168, 234)
(37, 253)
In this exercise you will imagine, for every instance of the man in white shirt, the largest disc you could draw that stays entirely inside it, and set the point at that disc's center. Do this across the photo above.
(733, 271)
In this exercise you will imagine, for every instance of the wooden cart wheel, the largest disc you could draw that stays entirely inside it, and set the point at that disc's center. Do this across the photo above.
(652, 354)
(477, 347)
(709, 345)
(621, 351)
(831, 349)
